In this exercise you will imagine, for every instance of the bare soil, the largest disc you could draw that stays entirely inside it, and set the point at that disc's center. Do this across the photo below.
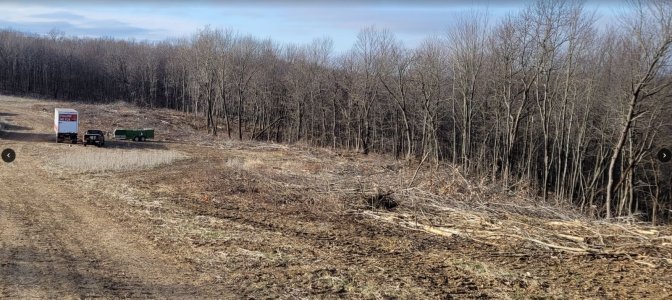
(230, 219)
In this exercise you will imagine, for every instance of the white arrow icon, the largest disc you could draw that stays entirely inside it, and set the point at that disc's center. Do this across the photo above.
(8, 155)
(664, 155)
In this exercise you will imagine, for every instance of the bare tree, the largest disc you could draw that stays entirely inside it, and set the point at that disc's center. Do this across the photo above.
(466, 41)
(648, 40)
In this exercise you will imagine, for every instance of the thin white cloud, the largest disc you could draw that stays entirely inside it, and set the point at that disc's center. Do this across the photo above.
(286, 21)
(92, 21)
(59, 15)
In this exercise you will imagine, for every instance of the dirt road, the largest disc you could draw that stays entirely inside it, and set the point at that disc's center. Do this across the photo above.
(53, 244)
(212, 218)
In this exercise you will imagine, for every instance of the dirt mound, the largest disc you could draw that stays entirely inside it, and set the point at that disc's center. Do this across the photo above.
(383, 200)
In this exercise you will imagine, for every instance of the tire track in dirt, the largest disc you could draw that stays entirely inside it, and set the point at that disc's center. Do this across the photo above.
(320, 244)
(352, 243)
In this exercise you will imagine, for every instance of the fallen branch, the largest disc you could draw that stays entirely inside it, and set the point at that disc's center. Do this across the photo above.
(558, 247)
(577, 239)
(641, 262)
(417, 169)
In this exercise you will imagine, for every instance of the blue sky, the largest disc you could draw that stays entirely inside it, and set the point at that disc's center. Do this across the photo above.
(284, 21)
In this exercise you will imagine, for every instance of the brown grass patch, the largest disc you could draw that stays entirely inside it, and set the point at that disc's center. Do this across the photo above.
(99, 160)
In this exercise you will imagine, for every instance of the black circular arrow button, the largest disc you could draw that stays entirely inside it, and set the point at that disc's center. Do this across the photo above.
(8, 155)
(664, 155)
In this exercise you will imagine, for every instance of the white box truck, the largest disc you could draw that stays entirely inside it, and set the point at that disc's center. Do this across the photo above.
(66, 125)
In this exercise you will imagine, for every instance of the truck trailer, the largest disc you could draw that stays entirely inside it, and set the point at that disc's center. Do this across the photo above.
(134, 134)
(66, 125)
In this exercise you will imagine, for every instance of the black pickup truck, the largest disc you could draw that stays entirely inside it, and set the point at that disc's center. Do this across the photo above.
(94, 137)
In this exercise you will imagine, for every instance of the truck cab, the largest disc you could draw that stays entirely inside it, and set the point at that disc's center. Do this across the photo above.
(94, 137)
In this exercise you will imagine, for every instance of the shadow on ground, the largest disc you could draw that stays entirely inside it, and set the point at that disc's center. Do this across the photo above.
(27, 136)
(7, 126)
(36, 137)
(135, 145)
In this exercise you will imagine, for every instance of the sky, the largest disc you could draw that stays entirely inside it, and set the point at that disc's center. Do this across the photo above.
(295, 21)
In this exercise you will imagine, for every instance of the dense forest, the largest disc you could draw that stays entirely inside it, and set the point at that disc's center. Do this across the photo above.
(543, 99)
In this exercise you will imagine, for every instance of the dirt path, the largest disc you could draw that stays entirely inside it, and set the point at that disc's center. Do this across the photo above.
(55, 245)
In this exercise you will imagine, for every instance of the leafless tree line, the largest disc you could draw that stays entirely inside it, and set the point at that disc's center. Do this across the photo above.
(542, 100)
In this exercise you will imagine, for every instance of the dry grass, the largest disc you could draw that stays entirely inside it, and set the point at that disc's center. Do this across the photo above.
(95, 160)
(446, 203)
(442, 201)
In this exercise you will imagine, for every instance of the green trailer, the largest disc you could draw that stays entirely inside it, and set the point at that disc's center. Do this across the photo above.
(134, 134)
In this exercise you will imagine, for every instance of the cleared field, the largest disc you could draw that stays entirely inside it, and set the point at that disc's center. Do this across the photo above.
(192, 216)
(98, 160)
